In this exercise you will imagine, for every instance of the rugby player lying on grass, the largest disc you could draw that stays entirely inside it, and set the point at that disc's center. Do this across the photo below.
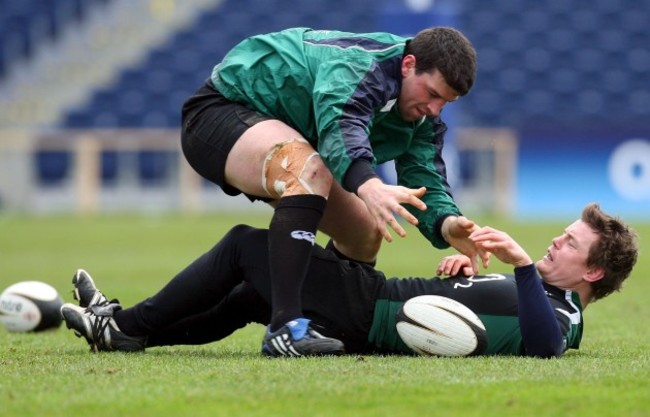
(229, 287)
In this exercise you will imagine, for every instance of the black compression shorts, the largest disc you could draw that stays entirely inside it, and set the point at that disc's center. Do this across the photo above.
(211, 126)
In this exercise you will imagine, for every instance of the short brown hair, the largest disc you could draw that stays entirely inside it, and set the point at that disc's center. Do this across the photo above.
(616, 250)
(447, 50)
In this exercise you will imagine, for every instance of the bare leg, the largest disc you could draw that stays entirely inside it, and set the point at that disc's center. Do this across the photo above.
(272, 160)
(348, 222)
(346, 219)
(245, 162)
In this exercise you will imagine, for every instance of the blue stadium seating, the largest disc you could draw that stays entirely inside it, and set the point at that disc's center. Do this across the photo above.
(525, 48)
(562, 47)
(554, 61)
(180, 66)
(24, 24)
(575, 56)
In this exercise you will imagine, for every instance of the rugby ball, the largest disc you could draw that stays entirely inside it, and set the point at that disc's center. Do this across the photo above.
(432, 325)
(30, 306)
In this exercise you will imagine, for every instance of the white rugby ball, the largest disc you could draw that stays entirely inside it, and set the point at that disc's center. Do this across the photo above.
(432, 325)
(30, 306)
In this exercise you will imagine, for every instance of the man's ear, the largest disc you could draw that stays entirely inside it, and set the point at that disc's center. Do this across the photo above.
(408, 64)
(594, 274)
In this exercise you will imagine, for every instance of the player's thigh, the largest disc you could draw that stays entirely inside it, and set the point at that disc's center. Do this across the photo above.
(230, 144)
(271, 159)
(212, 125)
(347, 219)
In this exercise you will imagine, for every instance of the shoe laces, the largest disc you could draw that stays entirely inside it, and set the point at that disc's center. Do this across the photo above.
(100, 326)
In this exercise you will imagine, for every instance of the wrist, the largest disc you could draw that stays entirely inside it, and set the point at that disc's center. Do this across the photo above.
(524, 267)
(446, 223)
(523, 263)
(359, 172)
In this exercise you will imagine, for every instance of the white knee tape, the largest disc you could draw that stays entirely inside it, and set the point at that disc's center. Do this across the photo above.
(284, 167)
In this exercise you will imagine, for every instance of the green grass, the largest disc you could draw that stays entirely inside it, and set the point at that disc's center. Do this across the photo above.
(131, 257)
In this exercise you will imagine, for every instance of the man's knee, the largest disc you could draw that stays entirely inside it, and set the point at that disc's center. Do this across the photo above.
(358, 242)
(362, 250)
(294, 167)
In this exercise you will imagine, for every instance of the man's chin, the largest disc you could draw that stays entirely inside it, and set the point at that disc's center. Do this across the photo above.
(411, 118)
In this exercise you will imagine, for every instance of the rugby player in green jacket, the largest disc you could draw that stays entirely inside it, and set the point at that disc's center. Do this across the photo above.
(229, 286)
(300, 118)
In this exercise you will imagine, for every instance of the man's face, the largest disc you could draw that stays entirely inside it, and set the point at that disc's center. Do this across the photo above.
(565, 264)
(423, 94)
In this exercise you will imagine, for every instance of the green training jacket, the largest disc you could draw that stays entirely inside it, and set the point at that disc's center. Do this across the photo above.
(340, 91)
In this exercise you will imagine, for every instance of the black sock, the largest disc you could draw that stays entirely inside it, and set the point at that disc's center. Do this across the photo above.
(330, 246)
(292, 235)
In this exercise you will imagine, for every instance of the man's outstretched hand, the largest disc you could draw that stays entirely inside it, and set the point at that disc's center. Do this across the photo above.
(505, 248)
(456, 230)
(384, 200)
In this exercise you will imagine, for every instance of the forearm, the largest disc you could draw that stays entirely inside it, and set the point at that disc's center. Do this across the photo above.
(539, 327)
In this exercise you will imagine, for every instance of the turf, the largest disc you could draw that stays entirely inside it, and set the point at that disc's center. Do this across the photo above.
(54, 374)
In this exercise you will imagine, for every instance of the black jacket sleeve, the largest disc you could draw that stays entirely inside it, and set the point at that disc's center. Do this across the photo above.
(539, 327)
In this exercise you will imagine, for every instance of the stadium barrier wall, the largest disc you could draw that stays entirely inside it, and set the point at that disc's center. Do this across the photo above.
(80, 184)
(114, 170)
(487, 170)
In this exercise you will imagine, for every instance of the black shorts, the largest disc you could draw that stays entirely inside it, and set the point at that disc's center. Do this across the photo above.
(211, 126)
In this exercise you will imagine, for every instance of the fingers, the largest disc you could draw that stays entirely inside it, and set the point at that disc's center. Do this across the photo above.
(391, 221)
(474, 260)
(483, 239)
(467, 271)
(394, 224)
(413, 197)
(485, 233)
(419, 192)
(485, 258)
(397, 207)
(467, 224)
(490, 241)
(401, 196)
(385, 219)
(445, 267)
(455, 264)
(448, 266)
(406, 215)
(385, 210)
(385, 233)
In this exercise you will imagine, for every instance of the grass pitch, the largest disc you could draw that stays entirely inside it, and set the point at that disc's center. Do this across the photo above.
(131, 257)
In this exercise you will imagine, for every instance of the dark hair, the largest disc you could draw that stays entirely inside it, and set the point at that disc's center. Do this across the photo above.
(448, 51)
(615, 251)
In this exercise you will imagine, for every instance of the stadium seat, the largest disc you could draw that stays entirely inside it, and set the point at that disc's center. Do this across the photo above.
(52, 167)
(182, 64)
(534, 59)
(154, 166)
(26, 25)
